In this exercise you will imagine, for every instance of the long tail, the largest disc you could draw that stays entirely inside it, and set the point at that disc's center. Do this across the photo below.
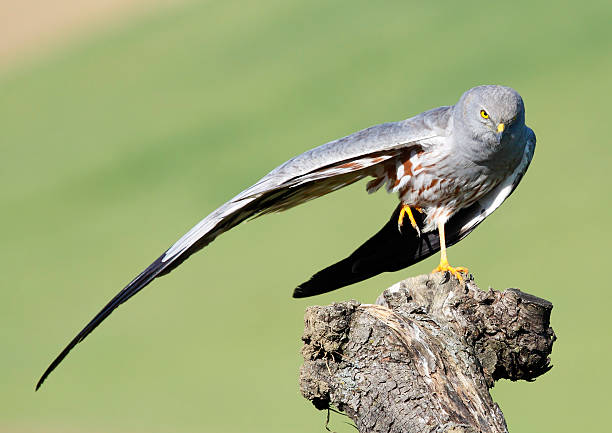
(388, 250)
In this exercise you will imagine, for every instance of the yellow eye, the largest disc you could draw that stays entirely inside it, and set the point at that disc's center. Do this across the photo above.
(484, 114)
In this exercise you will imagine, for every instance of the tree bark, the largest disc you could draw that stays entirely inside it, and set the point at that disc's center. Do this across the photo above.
(422, 359)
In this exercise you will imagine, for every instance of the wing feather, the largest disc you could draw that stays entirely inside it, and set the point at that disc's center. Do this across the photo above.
(312, 174)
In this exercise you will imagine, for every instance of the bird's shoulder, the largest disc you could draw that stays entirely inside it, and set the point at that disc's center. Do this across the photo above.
(377, 138)
(530, 136)
(423, 129)
(530, 144)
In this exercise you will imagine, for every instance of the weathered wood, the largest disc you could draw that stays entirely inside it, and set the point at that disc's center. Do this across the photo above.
(422, 359)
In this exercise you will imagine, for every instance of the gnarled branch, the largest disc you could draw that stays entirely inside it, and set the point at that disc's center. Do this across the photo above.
(422, 359)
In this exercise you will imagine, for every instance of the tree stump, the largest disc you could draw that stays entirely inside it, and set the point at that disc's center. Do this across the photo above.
(422, 359)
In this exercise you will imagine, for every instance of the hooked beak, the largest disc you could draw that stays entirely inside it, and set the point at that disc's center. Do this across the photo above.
(501, 127)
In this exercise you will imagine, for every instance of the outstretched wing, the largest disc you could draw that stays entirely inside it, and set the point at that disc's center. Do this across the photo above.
(390, 249)
(307, 176)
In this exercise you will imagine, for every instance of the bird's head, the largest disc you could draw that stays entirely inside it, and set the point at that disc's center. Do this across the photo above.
(492, 115)
(491, 110)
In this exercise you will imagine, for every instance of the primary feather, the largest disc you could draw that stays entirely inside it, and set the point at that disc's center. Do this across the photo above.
(312, 174)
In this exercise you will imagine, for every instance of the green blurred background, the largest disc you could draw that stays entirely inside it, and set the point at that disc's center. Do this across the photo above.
(115, 144)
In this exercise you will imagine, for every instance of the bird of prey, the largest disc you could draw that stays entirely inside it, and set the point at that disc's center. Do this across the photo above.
(451, 167)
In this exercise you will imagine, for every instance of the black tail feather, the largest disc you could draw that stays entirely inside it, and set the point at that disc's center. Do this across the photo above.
(388, 250)
(136, 285)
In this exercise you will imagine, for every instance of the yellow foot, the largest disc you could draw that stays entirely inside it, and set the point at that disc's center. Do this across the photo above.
(407, 211)
(444, 266)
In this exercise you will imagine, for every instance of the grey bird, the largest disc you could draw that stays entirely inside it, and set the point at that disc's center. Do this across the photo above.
(454, 165)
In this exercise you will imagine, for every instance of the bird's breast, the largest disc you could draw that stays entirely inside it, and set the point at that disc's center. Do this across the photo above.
(435, 182)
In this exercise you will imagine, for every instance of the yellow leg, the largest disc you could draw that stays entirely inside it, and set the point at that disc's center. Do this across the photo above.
(444, 266)
(407, 211)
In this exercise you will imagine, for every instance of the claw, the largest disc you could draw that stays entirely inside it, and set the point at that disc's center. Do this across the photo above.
(456, 272)
(407, 211)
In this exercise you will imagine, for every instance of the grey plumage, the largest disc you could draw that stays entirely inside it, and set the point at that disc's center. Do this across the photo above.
(386, 140)
(445, 160)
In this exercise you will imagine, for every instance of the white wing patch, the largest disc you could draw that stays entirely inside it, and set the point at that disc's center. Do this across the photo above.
(396, 175)
(491, 201)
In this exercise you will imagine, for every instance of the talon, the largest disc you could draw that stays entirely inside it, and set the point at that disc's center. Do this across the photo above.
(445, 278)
(456, 272)
(407, 211)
